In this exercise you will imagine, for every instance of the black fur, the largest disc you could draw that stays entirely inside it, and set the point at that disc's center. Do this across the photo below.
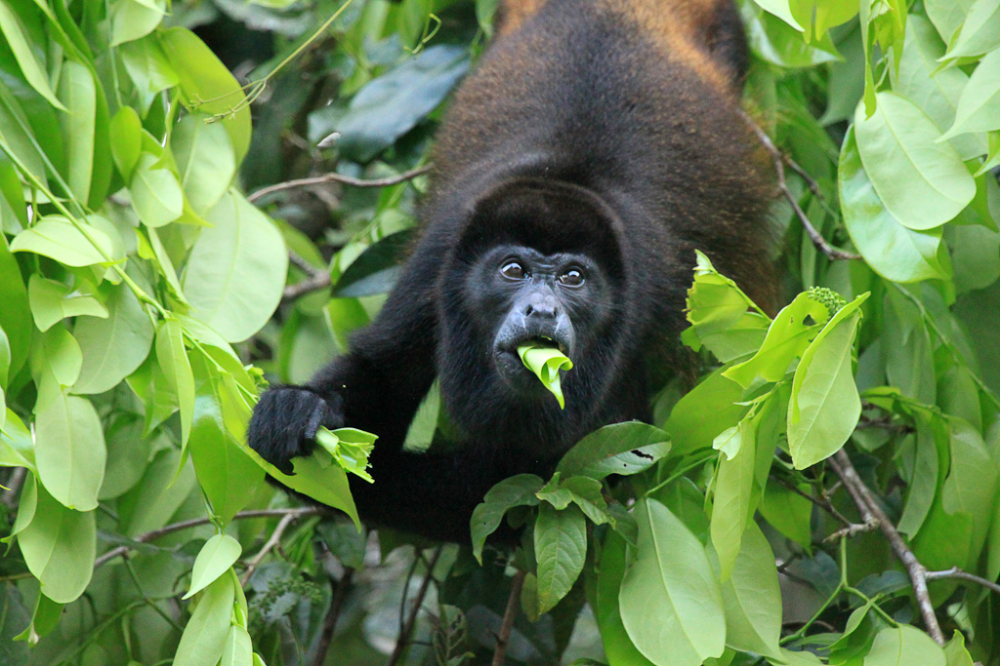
(584, 131)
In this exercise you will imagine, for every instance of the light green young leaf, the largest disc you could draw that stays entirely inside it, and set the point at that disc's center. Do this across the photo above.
(59, 546)
(560, 550)
(113, 347)
(59, 353)
(904, 644)
(126, 140)
(4, 363)
(704, 412)
(980, 31)
(56, 237)
(215, 558)
(52, 301)
(45, 618)
(205, 160)
(948, 15)
(782, 9)
(955, 652)
(70, 452)
(788, 336)
(17, 449)
(824, 405)
(672, 581)
(349, 448)
(732, 507)
(204, 637)
(979, 106)
(512, 492)
(172, 357)
(34, 73)
(751, 598)
(546, 362)
(239, 648)
(921, 182)
(891, 249)
(156, 194)
(618, 647)
(620, 448)
(207, 86)
(236, 270)
(935, 90)
(992, 160)
(132, 19)
(78, 92)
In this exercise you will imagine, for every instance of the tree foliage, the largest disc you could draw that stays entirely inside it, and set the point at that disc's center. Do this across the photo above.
(826, 493)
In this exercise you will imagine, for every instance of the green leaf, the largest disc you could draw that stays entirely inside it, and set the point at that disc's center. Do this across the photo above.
(349, 448)
(979, 106)
(126, 140)
(904, 644)
(52, 301)
(391, 105)
(13, 210)
(70, 452)
(128, 455)
(948, 15)
(156, 194)
(204, 637)
(824, 407)
(113, 347)
(980, 31)
(777, 42)
(376, 269)
(618, 647)
(955, 652)
(15, 315)
(782, 9)
(512, 492)
(205, 160)
(891, 249)
(59, 352)
(620, 448)
(59, 546)
(18, 41)
(546, 362)
(56, 237)
(560, 550)
(4, 363)
(17, 449)
(733, 489)
(787, 337)
(751, 598)
(236, 271)
(132, 19)
(78, 92)
(238, 650)
(45, 618)
(907, 348)
(215, 558)
(704, 412)
(207, 86)
(922, 182)
(788, 512)
(671, 581)
(172, 357)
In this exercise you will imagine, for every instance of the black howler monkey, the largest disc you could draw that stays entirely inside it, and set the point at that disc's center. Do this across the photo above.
(596, 146)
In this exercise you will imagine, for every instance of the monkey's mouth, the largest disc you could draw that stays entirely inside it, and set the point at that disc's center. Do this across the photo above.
(512, 370)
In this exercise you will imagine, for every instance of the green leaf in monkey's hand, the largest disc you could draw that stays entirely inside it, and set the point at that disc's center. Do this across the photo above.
(546, 362)
(349, 448)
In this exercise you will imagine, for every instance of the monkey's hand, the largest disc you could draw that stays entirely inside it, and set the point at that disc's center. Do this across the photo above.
(285, 421)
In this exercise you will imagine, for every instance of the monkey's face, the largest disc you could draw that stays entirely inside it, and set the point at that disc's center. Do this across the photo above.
(519, 295)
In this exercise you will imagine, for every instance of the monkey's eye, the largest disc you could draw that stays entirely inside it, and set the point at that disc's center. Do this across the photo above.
(513, 271)
(572, 278)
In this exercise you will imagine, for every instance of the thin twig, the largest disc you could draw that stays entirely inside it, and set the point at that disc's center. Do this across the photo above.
(870, 510)
(338, 178)
(196, 522)
(509, 614)
(332, 615)
(317, 280)
(269, 545)
(955, 572)
(411, 620)
(779, 160)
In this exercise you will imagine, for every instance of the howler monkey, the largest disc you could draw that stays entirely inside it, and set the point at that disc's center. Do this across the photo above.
(596, 146)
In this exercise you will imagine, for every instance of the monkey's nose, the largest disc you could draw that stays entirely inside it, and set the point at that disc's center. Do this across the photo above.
(542, 306)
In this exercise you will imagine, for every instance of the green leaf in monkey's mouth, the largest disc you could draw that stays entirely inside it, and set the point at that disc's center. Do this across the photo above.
(544, 358)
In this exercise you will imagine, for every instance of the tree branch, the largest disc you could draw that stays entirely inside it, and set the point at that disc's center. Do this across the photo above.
(177, 527)
(269, 545)
(338, 178)
(871, 511)
(411, 620)
(955, 572)
(780, 159)
(332, 615)
(509, 613)
(316, 280)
